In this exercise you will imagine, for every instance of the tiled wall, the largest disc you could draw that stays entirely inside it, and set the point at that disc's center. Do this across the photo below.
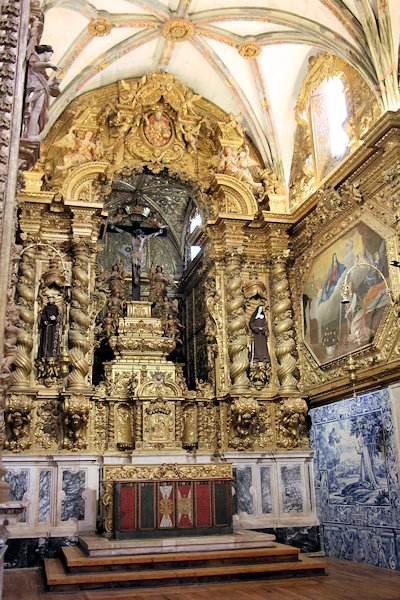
(357, 477)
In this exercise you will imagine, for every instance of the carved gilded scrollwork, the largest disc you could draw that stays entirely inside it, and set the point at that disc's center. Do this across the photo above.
(98, 423)
(75, 418)
(18, 410)
(245, 423)
(207, 425)
(47, 429)
(266, 438)
(291, 423)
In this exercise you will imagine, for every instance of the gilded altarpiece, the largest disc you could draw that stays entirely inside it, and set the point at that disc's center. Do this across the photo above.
(117, 386)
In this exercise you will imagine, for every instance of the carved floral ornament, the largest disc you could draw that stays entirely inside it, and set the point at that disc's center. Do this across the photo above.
(178, 30)
(249, 50)
(100, 27)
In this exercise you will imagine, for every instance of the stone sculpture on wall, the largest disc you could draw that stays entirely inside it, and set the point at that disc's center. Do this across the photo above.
(38, 90)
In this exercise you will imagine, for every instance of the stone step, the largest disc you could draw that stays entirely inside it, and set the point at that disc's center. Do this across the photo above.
(184, 568)
(77, 560)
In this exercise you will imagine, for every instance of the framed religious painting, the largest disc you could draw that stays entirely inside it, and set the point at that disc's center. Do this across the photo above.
(346, 294)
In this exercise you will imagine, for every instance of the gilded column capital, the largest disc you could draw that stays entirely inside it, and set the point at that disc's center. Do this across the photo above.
(277, 240)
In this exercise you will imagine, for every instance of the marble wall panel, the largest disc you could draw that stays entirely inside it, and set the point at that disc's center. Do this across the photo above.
(243, 498)
(266, 491)
(62, 491)
(292, 488)
(44, 502)
(270, 490)
(73, 504)
(18, 482)
(273, 490)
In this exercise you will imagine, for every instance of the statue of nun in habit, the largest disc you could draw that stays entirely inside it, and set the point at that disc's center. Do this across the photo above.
(259, 328)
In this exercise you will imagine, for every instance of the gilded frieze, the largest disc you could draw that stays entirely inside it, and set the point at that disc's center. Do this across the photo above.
(166, 471)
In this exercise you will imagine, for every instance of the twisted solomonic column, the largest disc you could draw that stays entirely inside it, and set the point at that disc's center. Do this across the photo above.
(283, 327)
(25, 299)
(237, 331)
(79, 319)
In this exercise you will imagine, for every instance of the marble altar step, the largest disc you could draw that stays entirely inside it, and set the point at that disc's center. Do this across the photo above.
(78, 571)
(77, 561)
(97, 545)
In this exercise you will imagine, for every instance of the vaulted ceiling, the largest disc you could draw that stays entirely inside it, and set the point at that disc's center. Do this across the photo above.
(247, 57)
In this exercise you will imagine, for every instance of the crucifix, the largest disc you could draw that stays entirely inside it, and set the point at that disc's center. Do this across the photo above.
(135, 250)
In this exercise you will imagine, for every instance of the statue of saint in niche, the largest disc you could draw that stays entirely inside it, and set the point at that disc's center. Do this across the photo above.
(49, 335)
(259, 328)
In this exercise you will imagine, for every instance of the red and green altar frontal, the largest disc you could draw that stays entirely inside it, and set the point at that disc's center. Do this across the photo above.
(167, 500)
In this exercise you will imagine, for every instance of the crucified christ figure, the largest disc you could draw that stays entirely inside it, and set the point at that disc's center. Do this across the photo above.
(138, 238)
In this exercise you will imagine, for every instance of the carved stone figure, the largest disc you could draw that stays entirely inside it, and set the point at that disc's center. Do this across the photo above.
(38, 91)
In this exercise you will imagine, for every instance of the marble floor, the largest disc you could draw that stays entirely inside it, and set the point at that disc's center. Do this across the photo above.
(344, 580)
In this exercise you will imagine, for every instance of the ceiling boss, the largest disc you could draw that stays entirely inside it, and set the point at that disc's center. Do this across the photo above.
(100, 27)
(249, 50)
(178, 30)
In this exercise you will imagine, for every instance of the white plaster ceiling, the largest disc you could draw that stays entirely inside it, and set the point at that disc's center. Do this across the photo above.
(263, 90)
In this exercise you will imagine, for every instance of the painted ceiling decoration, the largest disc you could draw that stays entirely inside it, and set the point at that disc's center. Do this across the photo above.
(246, 57)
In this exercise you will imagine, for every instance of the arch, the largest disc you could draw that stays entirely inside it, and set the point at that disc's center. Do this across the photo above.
(155, 123)
(82, 183)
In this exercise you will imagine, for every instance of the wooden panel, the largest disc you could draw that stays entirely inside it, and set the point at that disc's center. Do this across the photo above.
(165, 507)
